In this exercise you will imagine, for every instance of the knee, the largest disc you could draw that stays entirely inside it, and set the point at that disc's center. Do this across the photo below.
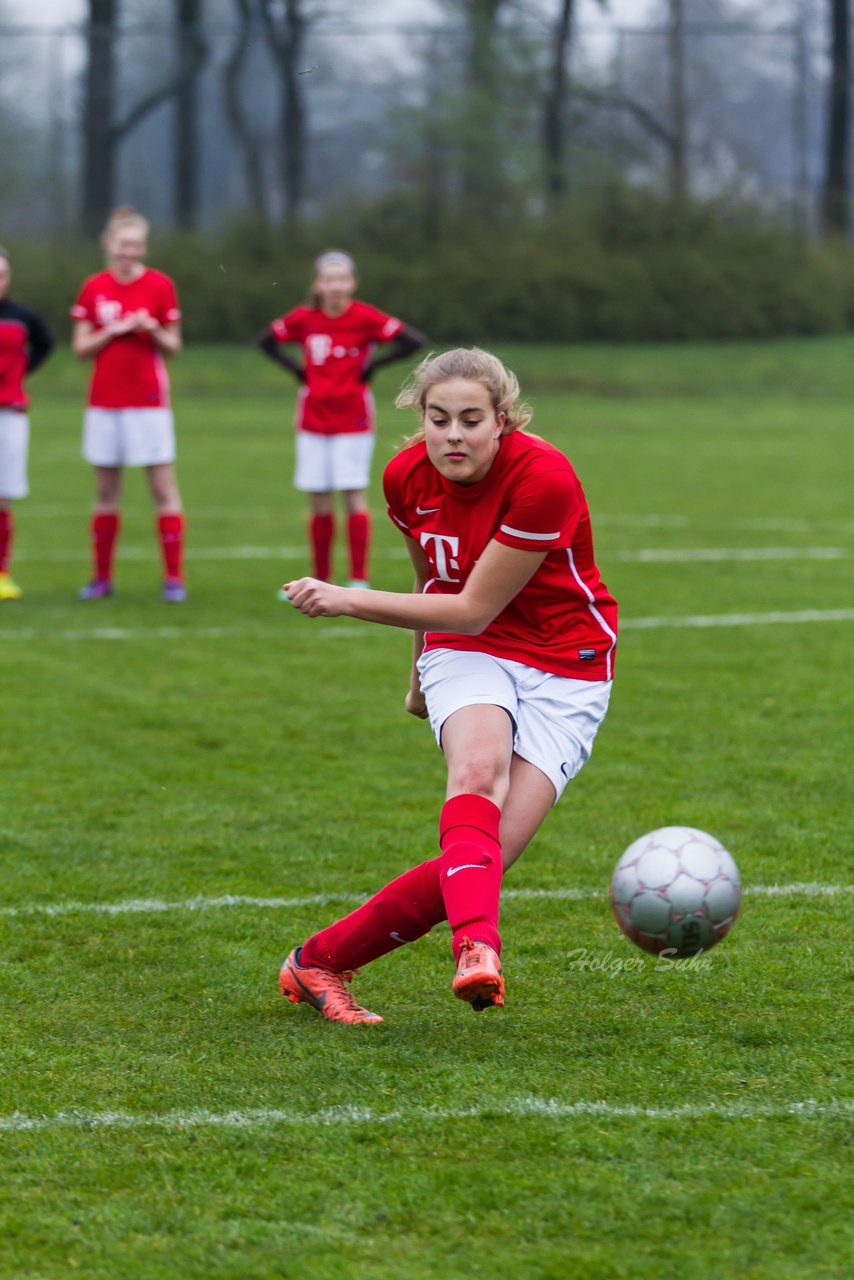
(480, 776)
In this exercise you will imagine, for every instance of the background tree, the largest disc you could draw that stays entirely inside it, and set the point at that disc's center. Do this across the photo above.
(246, 138)
(103, 133)
(836, 176)
(192, 54)
(286, 24)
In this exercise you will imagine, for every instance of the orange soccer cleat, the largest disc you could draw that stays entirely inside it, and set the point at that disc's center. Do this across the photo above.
(479, 978)
(325, 990)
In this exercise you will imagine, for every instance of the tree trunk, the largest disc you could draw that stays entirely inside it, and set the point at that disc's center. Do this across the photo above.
(554, 111)
(835, 201)
(287, 38)
(678, 177)
(481, 147)
(191, 53)
(99, 170)
(247, 141)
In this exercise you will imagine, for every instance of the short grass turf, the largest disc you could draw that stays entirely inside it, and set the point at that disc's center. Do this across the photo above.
(163, 1112)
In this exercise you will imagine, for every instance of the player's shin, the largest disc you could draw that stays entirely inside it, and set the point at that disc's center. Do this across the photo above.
(470, 869)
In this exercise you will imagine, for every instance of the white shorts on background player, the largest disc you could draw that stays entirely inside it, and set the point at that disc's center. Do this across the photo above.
(14, 445)
(341, 461)
(555, 719)
(128, 437)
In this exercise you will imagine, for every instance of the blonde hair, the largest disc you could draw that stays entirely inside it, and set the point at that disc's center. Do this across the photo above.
(125, 215)
(475, 365)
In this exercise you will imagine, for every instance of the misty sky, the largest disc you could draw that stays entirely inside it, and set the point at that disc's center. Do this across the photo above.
(49, 12)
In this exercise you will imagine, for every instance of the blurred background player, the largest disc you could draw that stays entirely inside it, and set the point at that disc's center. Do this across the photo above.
(514, 636)
(335, 407)
(126, 321)
(25, 343)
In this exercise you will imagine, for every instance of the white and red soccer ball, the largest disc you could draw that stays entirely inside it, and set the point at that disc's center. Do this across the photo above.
(676, 890)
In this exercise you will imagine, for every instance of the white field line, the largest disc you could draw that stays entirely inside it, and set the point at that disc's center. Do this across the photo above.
(333, 632)
(347, 1116)
(738, 619)
(676, 555)
(153, 906)
(643, 555)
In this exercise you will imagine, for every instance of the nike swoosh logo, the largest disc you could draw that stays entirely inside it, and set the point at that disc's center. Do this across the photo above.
(425, 511)
(465, 866)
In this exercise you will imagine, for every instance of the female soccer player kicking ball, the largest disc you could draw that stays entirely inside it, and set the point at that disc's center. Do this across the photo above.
(126, 320)
(25, 343)
(335, 409)
(513, 662)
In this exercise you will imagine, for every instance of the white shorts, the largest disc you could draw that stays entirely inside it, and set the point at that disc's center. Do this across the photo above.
(14, 446)
(128, 437)
(341, 461)
(555, 719)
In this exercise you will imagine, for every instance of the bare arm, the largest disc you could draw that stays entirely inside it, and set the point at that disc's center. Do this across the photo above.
(499, 575)
(87, 341)
(166, 337)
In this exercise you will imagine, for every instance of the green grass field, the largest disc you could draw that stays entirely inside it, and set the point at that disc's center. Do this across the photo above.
(187, 792)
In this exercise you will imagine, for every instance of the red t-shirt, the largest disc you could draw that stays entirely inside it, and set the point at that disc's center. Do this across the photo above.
(129, 372)
(563, 620)
(335, 349)
(24, 343)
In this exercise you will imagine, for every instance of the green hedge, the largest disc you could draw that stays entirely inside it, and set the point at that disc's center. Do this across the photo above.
(627, 268)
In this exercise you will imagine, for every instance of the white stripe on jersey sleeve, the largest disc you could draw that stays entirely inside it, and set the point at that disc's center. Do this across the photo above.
(534, 537)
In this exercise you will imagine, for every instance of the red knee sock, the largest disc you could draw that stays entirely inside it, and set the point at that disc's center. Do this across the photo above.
(7, 537)
(104, 531)
(359, 541)
(321, 531)
(170, 530)
(402, 911)
(470, 869)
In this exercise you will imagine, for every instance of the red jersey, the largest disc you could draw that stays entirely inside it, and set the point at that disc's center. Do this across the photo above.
(335, 349)
(129, 372)
(564, 620)
(25, 342)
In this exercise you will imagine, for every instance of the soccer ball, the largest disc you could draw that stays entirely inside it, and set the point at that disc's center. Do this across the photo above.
(676, 890)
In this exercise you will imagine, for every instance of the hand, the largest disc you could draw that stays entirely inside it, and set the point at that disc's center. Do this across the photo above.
(145, 322)
(127, 323)
(316, 599)
(415, 704)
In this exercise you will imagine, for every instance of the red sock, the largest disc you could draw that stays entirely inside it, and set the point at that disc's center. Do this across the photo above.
(104, 530)
(404, 910)
(470, 869)
(359, 540)
(170, 530)
(7, 537)
(321, 531)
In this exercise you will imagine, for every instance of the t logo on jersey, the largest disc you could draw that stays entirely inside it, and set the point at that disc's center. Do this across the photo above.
(107, 310)
(319, 347)
(444, 553)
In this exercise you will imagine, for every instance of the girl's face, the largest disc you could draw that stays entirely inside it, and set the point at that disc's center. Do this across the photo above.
(125, 248)
(461, 429)
(5, 276)
(335, 286)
